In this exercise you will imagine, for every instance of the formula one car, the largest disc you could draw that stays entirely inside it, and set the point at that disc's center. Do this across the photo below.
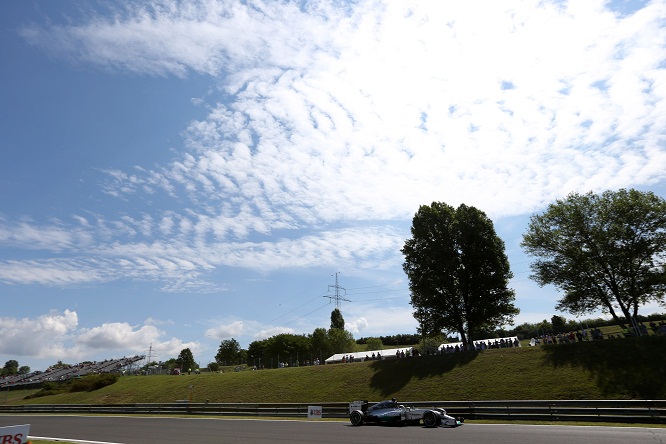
(390, 412)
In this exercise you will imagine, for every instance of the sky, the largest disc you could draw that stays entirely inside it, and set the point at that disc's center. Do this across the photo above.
(178, 173)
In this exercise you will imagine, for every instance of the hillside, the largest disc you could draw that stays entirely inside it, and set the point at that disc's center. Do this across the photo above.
(610, 369)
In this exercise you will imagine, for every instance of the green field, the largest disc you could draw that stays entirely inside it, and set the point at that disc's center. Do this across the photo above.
(630, 368)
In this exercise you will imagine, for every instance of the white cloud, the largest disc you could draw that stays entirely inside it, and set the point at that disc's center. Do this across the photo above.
(409, 105)
(272, 331)
(366, 112)
(43, 336)
(226, 331)
(58, 337)
(357, 326)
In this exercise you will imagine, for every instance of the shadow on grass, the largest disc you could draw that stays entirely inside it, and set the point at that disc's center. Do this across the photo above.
(392, 375)
(633, 367)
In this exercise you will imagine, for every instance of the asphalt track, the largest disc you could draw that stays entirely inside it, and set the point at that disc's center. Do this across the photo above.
(165, 430)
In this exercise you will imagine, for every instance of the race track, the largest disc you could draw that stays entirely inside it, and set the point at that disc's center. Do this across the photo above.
(164, 430)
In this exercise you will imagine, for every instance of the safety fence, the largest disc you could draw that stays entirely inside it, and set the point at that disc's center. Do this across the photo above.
(630, 411)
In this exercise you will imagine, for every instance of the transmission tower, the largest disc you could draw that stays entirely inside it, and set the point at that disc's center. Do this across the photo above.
(337, 296)
(150, 355)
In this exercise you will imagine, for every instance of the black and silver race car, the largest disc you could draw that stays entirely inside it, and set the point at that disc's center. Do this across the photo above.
(390, 412)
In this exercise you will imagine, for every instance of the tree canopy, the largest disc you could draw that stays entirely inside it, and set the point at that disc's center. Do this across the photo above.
(11, 368)
(604, 252)
(458, 271)
(229, 352)
(186, 360)
(337, 321)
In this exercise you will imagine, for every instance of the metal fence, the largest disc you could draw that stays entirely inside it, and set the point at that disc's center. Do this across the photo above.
(646, 411)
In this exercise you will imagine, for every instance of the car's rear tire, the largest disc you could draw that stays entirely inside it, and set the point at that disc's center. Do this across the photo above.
(356, 418)
(430, 419)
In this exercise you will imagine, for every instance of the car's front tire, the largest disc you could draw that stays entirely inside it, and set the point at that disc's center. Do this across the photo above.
(430, 419)
(356, 418)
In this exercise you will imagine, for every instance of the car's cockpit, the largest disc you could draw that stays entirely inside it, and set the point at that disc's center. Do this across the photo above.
(390, 404)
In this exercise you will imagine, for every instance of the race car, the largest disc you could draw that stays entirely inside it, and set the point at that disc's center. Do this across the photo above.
(390, 412)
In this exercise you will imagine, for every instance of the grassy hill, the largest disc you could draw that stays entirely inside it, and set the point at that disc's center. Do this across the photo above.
(610, 369)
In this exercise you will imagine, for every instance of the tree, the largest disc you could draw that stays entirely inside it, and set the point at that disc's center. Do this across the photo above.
(320, 345)
(458, 272)
(24, 370)
(604, 252)
(374, 344)
(185, 360)
(10, 368)
(285, 347)
(229, 352)
(341, 341)
(337, 321)
(558, 322)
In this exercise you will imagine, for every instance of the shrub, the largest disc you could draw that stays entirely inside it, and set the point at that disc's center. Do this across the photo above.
(93, 382)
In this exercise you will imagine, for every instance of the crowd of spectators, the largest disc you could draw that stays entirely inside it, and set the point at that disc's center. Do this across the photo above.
(485, 344)
(595, 334)
(65, 372)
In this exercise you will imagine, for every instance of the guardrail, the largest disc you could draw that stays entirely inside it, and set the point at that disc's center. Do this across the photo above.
(630, 411)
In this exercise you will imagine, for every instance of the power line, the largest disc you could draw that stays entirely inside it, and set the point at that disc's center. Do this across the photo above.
(382, 291)
(296, 308)
(306, 314)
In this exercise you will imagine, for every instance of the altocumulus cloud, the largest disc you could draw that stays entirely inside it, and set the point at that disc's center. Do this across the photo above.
(329, 113)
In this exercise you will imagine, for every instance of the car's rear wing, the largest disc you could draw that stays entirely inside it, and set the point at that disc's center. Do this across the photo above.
(358, 405)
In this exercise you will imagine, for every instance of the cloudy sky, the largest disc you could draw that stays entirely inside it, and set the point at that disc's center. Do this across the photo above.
(177, 173)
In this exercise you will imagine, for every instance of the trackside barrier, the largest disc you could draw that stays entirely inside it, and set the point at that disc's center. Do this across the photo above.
(631, 411)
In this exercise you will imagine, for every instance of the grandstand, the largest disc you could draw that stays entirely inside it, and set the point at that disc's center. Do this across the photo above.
(121, 365)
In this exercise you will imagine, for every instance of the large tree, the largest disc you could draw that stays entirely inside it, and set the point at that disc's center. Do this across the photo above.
(10, 368)
(186, 360)
(229, 352)
(458, 272)
(284, 347)
(604, 252)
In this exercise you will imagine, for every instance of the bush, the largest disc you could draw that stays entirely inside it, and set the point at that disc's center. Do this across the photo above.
(93, 382)
(86, 384)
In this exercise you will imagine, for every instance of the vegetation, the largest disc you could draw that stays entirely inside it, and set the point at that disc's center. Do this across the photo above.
(12, 368)
(186, 360)
(230, 352)
(605, 252)
(88, 383)
(337, 321)
(458, 272)
(629, 368)
(289, 349)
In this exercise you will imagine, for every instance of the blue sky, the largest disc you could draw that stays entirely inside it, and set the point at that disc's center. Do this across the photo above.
(179, 173)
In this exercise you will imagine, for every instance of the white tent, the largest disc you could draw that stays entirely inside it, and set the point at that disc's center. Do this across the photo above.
(362, 356)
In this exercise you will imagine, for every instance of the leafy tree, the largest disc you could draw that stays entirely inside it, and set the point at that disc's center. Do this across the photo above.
(214, 367)
(341, 341)
(171, 363)
(229, 353)
(285, 347)
(602, 251)
(558, 322)
(259, 350)
(185, 360)
(10, 368)
(374, 344)
(337, 321)
(320, 344)
(23, 370)
(458, 272)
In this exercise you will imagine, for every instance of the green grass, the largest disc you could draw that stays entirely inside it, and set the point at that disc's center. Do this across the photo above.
(611, 369)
